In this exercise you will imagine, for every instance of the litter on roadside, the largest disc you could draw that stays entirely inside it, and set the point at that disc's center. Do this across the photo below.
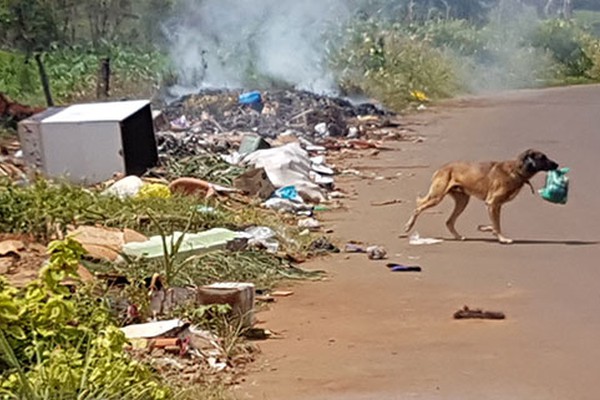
(213, 239)
(287, 206)
(288, 165)
(262, 236)
(309, 223)
(403, 268)
(322, 244)
(376, 253)
(386, 203)
(467, 313)
(154, 329)
(354, 248)
(126, 187)
(417, 240)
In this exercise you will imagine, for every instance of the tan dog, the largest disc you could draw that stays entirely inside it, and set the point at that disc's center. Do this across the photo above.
(493, 182)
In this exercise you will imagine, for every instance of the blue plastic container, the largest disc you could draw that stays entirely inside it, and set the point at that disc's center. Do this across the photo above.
(250, 98)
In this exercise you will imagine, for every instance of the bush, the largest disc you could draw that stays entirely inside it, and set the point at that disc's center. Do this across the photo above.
(387, 63)
(566, 43)
(61, 345)
(73, 73)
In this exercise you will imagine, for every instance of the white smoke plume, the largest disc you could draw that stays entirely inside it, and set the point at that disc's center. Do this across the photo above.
(243, 43)
(228, 43)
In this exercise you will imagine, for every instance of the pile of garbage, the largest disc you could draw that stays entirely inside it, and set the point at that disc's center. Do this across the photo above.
(277, 140)
(212, 119)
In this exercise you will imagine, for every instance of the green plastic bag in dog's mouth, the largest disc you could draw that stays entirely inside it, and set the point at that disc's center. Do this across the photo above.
(557, 186)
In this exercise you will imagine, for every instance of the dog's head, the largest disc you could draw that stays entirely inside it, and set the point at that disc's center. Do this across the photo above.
(533, 161)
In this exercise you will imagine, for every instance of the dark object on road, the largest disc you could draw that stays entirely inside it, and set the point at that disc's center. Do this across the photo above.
(323, 245)
(403, 268)
(467, 313)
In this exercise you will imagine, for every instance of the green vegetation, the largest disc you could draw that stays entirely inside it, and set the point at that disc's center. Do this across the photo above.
(387, 51)
(55, 344)
(403, 53)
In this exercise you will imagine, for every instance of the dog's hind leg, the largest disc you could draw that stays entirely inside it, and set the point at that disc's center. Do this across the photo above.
(437, 191)
(461, 200)
(424, 204)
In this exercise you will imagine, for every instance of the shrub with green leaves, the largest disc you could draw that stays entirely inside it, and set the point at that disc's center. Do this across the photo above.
(55, 344)
(389, 63)
(565, 41)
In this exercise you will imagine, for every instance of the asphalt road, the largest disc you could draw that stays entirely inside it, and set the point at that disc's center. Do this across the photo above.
(368, 333)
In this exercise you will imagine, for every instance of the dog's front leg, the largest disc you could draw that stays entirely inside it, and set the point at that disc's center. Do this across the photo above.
(494, 212)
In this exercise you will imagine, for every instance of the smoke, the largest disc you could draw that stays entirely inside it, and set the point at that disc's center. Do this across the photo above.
(263, 43)
(508, 60)
(241, 43)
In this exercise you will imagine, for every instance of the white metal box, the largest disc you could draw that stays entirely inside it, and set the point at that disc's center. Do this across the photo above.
(89, 143)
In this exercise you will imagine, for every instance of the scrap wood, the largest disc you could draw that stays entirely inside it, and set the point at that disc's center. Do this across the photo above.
(282, 293)
(467, 313)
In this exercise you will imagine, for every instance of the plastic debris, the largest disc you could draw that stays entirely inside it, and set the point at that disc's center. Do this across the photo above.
(124, 188)
(417, 240)
(557, 186)
(289, 193)
(403, 268)
(263, 236)
(322, 244)
(288, 165)
(309, 223)
(286, 206)
(180, 124)
(154, 329)
(376, 253)
(210, 240)
(354, 248)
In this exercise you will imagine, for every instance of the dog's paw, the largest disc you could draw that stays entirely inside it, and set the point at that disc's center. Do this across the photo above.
(504, 240)
(485, 228)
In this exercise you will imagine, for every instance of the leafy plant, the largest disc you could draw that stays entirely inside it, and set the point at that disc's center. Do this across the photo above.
(62, 345)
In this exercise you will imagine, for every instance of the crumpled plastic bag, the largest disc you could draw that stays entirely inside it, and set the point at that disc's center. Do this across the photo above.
(288, 165)
(557, 186)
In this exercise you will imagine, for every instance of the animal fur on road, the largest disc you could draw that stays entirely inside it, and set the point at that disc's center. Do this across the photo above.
(493, 182)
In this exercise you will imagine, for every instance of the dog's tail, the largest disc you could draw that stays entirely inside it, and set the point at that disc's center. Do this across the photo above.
(439, 186)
